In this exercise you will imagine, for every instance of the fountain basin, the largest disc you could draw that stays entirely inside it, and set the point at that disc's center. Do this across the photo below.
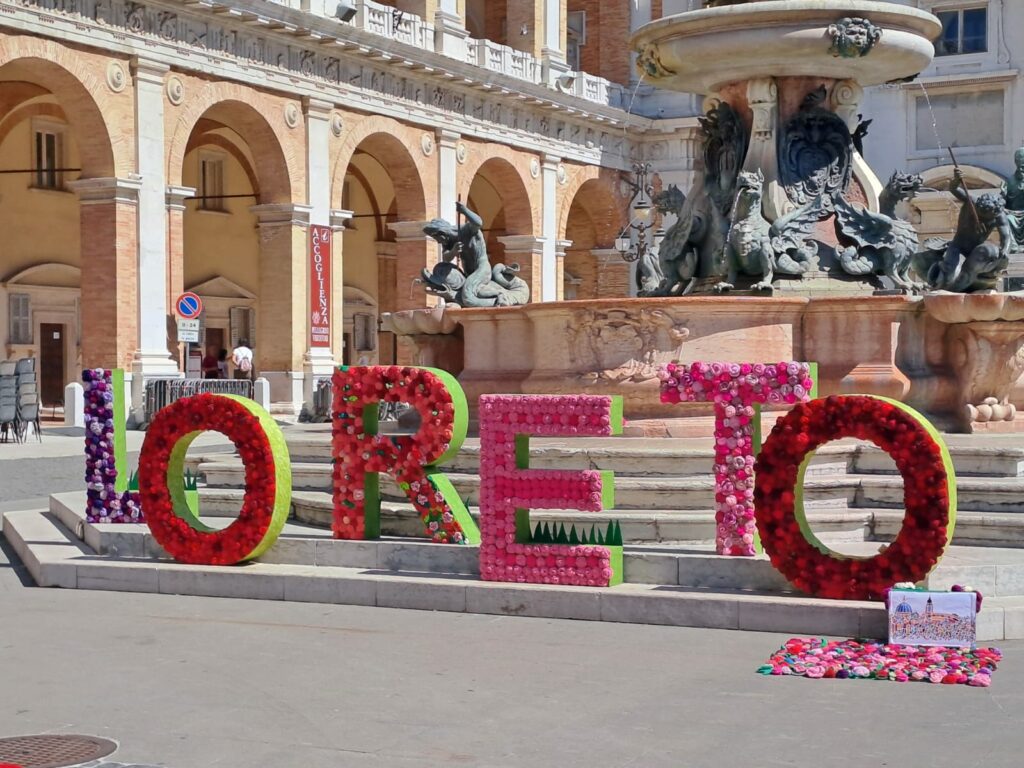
(615, 347)
(703, 51)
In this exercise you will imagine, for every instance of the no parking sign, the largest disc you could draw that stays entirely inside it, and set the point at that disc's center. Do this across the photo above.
(189, 306)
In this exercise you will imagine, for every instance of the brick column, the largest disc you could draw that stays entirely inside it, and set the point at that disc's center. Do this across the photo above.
(528, 252)
(174, 198)
(612, 274)
(281, 329)
(387, 294)
(526, 15)
(109, 252)
(415, 252)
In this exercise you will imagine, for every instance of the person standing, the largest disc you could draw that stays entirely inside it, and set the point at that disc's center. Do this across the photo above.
(242, 358)
(211, 370)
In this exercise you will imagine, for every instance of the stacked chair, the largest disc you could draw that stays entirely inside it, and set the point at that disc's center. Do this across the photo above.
(8, 402)
(28, 397)
(19, 400)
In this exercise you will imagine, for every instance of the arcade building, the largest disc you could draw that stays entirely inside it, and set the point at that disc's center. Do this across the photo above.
(149, 148)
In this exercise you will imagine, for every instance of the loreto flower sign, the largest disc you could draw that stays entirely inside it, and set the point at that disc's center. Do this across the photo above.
(762, 495)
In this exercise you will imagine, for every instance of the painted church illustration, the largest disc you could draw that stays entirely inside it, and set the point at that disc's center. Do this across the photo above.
(908, 625)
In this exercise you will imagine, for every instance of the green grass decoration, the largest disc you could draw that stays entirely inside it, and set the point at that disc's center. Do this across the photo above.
(611, 536)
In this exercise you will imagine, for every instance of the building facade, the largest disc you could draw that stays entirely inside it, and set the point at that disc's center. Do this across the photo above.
(153, 148)
(148, 148)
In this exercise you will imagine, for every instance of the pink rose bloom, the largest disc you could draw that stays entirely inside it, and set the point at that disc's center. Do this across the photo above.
(936, 676)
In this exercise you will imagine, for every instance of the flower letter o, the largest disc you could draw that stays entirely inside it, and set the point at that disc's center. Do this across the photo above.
(929, 496)
(268, 480)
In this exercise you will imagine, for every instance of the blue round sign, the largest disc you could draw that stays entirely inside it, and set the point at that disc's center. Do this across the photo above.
(189, 306)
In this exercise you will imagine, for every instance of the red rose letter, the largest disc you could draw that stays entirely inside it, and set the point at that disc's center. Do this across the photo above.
(360, 454)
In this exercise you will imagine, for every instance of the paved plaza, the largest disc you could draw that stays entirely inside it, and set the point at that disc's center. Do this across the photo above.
(182, 682)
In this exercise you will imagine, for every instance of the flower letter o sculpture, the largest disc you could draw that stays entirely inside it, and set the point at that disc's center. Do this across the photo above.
(268, 480)
(929, 496)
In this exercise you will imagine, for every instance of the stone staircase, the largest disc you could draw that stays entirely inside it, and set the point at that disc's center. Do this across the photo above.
(671, 574)
(665, 489)
(675, 586)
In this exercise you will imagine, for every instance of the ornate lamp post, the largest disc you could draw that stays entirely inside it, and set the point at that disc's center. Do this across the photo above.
(644, 217)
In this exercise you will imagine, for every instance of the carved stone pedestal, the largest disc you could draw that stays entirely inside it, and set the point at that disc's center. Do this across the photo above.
(984, 342)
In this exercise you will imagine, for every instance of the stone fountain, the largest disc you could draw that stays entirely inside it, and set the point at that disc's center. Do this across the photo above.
(786, 247)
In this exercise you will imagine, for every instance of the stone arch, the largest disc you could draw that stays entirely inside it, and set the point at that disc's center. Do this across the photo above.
(596, 189)
(509, 172)
(277, 149)
(27, 112)
(77, 80)
(47, 273)
(396, 147)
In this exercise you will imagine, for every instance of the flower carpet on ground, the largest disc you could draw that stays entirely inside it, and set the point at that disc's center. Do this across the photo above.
(818, 658)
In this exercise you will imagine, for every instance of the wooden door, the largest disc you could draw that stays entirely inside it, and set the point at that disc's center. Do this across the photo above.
(51, 364)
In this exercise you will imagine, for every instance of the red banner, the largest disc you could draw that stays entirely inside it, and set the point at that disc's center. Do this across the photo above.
(320, 286)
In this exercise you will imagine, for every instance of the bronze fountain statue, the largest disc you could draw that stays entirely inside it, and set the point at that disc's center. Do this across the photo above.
(464, 277)
(970, 262)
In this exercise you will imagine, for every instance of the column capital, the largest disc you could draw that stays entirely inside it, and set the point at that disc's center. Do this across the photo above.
(522, 244)
(447, 139)
(149, 71)
(107, 190)
(176, 197)
(316, 108)
(561, 246)
(281, 214)
(550, 162)
(408, 231)
(339, 218)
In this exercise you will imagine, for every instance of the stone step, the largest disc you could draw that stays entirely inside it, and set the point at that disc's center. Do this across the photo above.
(834, 527)
(695, 492)
(974, 494)
(681, 457)
(55, 558)
(997, 572)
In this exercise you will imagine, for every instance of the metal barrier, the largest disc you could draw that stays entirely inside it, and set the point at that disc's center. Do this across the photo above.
(162, 392)
(323, 400)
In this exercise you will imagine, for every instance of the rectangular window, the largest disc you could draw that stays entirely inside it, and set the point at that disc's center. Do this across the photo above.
(972, 119)
(20, 307)
(46, 159)
(577, 38)
(243, 326)
(211, 183)
(364, 332)
(963, 31)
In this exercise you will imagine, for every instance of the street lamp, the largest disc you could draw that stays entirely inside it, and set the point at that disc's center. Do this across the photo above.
(644, 217)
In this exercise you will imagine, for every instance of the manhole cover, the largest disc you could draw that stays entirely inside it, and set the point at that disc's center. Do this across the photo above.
(53, 751)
